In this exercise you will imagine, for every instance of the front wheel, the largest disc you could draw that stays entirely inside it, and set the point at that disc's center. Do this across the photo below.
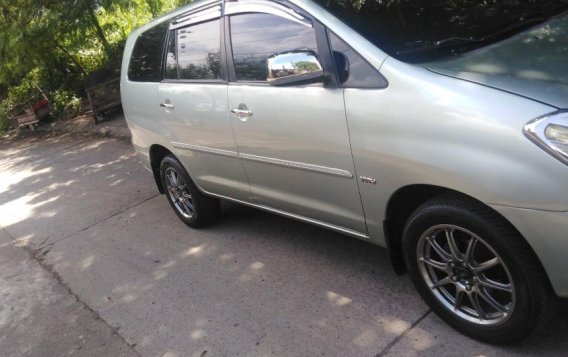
(475, 271)
(191, 206)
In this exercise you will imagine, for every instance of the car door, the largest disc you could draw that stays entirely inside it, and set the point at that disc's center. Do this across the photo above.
(193, 97)
(293, 141)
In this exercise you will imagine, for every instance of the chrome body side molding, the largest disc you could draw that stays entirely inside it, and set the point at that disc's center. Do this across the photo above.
(205, 149)
(267, 160)
(298, 165)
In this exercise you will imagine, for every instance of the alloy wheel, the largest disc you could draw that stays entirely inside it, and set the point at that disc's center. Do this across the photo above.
(178, 192)
(466, 274)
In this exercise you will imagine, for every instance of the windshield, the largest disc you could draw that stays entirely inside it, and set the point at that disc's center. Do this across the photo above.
(421, 30)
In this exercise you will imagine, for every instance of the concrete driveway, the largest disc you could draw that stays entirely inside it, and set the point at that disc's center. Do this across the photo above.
(84, 218)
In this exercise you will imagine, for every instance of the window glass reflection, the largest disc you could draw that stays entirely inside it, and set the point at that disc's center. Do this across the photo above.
(199, 51)
(255, 37)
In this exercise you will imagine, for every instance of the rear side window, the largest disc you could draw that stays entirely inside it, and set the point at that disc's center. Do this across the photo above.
(146, 59)
(353, 70)
(257, 36)
(199, 51)
(194, 52)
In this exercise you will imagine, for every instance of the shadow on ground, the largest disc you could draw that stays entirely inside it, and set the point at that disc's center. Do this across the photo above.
(252, 284)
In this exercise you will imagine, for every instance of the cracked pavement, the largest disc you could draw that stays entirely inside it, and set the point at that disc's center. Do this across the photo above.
(94, 262)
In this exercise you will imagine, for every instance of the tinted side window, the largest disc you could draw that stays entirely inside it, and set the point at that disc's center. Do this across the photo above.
(199, 51)
(146, 60)
(257, 36)
(360, 73)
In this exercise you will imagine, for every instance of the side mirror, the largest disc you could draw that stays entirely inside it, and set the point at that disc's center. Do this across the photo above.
(294, 67)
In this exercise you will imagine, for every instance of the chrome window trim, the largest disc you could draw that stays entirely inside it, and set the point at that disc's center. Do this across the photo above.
(268, 7)
(266, 160)
(200, 15)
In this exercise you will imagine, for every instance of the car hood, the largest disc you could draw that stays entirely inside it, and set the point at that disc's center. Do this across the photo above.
(533, 64)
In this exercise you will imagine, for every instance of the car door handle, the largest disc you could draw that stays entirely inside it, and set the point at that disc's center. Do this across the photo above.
(167, 106)
(241, 113)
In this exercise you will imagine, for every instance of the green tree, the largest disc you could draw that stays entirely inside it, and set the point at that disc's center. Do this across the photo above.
(55, 44)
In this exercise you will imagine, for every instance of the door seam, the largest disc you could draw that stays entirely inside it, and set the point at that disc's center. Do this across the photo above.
(353, 160)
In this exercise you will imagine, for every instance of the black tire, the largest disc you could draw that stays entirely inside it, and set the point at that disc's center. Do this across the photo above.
(532, 301)
(205, 209)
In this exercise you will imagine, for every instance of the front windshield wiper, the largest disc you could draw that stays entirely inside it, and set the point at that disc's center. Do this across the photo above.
(465, 41)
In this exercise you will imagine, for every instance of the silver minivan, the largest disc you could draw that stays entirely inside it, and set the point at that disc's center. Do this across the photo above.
(450, 152)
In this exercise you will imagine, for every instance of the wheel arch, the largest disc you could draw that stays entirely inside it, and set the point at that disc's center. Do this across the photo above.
(157, 154)
(404, 202)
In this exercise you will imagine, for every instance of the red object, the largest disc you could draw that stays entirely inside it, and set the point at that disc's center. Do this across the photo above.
(42, 103)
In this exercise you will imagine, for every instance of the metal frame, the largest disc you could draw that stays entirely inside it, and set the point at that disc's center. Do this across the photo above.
(99, 109)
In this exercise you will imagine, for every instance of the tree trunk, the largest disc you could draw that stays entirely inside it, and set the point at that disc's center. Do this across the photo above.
(99, 30)
(72, 58)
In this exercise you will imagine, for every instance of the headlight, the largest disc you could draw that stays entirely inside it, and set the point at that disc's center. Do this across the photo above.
(551, 134)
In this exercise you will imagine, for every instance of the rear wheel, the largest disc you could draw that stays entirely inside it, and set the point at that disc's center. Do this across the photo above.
(191, 206)
(475, 270)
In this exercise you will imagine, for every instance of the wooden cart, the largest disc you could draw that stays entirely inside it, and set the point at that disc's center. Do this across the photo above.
(104, 97)
(30, 113)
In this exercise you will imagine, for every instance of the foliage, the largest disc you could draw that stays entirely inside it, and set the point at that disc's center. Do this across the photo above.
(18, 95)
(64, 102)
(56, 44)
(307, 66)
